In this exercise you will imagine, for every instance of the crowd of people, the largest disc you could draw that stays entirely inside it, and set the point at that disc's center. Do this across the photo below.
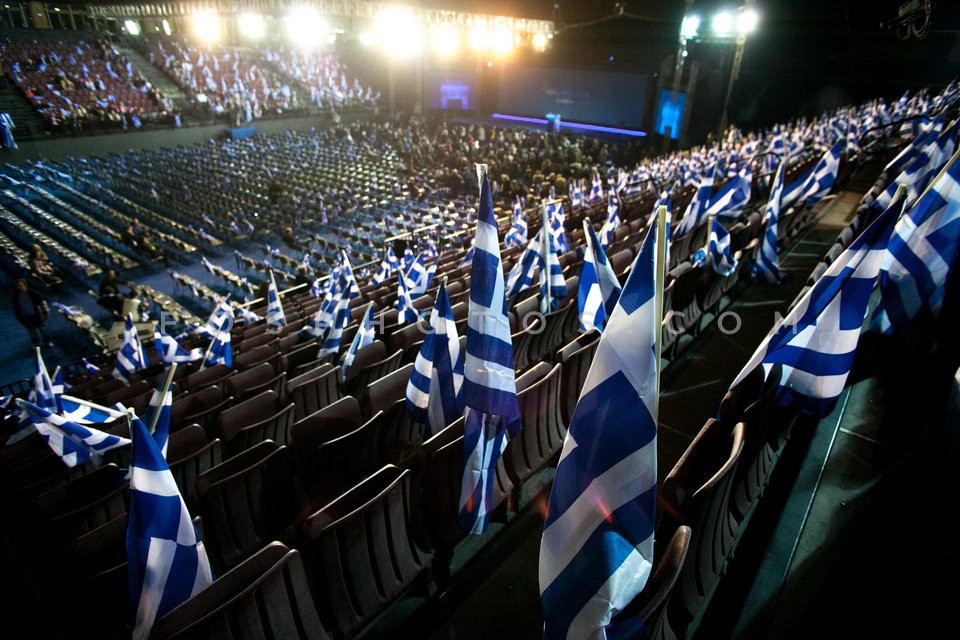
(323, 76)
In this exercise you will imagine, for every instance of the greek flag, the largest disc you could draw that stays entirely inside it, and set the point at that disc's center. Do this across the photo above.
(492, 413)
(467, 257)
(407, 313)
(72, 442)
(166, 561)
(920, 257)
(732, 198)
(46, 396)
(767, 265)
(91, 369)
(817, 340)
(521, 276)
(131, 357)
(596, 552)
(596, 188)
(557, 220)
(599, 287)
(720, 257)
(275, 316)
(420, 276)
(817, 182)
(214, 322)
(433, 395)
(388, 265)
(612, 221)
(576, 194)
(85, 412)
(697, 208)
(220, 350)
(246, 314)
(553, 286)
(170, 350)
(159, 406)
(365, 335)
(921, 169)
(517, 235)
(354, 288)
(341, 318)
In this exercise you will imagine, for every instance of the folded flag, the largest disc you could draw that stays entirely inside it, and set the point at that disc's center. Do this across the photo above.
(170, 350)
(366, 334)
(72, 442)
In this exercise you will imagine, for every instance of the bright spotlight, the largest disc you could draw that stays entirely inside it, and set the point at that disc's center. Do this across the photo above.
(689, 27)
(480, 37)
(747, 21)
(166, 27)
(366, 38)
(305, 27)
(252, 25)
(502, 42)
(399, 32)
(723, 23)
(445, 40)
(132, 27)
(539, 41)
(206, 27)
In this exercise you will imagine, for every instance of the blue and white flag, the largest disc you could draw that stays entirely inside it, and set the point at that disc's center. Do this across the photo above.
(220, 350)
(46, 396)
(596, 188)
(85, 412)
(421, 275)
(388, 265)
(599, 287)
(812, 186)
(434, 397)
(576, 193)
(407, 312)
(521, 276)
(72, 442)
(719, 256)
(166, 561)
(557, 220)
(596, 552)
(215, 321)
(467, 257)
(90, 368)
(170, 350)
(492, 413)
(352, 285)
(920, 257)
(697, 209)
(816, 341)
(921, 169)
(159, 406)
(131, 357)
(517, 234)
(767, 265)
(732, 198)
(553, 286)
(276, 318)
(612, 222)
(365, 335)
(341, 319)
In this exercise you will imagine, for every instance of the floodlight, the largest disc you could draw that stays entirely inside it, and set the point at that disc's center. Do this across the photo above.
(689, 27)
(446, 41)
(747, 21)
(132, 27)
(539, 41)
(723, 23)
(206, 26)
(251, 25)
(305, 28)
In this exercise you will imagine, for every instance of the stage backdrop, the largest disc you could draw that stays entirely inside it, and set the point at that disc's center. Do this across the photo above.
(611, 98)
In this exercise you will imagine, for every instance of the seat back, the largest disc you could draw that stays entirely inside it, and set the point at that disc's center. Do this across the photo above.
(188, 457)
(244, 385)
(364, 555)
(314, 390)
(382, 393)
(244, 414)
(541, 438)
(265, 596)
(358, 380)
(573, 373)
(246, 502)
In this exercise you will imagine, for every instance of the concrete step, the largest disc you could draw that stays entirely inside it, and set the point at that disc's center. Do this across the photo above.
(155, 75)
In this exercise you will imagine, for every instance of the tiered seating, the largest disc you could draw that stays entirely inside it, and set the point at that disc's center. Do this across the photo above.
(82, 85)
(323, 77)
(30, 235)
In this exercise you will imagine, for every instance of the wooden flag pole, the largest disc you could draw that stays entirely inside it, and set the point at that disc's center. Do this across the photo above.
(706, 245)
(544, 272)
(660, 272)
(203, 363)
(167, 381)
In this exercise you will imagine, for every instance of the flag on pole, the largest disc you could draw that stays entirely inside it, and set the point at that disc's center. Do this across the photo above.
(697, 208)
(341, 318)
(613, 220)
(920, 256)
(557, 219)
(365, 335)
(214, 322)
(719, 256)
(599, 287)
(596, 552)
(158, 415)
(517, 235)
(84, 412)
(246, 314)
(433, 395)
(388, 265)
(352, 285)
(220, 350)
(732, 198)
(767, 265)
(407, 312)
(72, 442)
(521, 276)
(491, 412)
(131, 357)
(166, 561)
(170, 350)
(816, 183)
(276, 318)
(553, 286)
(91, 369)
(596, 188)
(815, 343)
(46, 396)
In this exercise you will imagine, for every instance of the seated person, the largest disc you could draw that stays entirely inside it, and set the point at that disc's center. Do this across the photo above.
(136, 238)
(41, 267)
(109, 296)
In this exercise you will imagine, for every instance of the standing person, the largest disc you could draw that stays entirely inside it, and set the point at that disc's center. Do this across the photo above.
(32, 312)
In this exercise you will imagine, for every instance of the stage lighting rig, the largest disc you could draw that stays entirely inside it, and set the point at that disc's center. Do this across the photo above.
(912, 19)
